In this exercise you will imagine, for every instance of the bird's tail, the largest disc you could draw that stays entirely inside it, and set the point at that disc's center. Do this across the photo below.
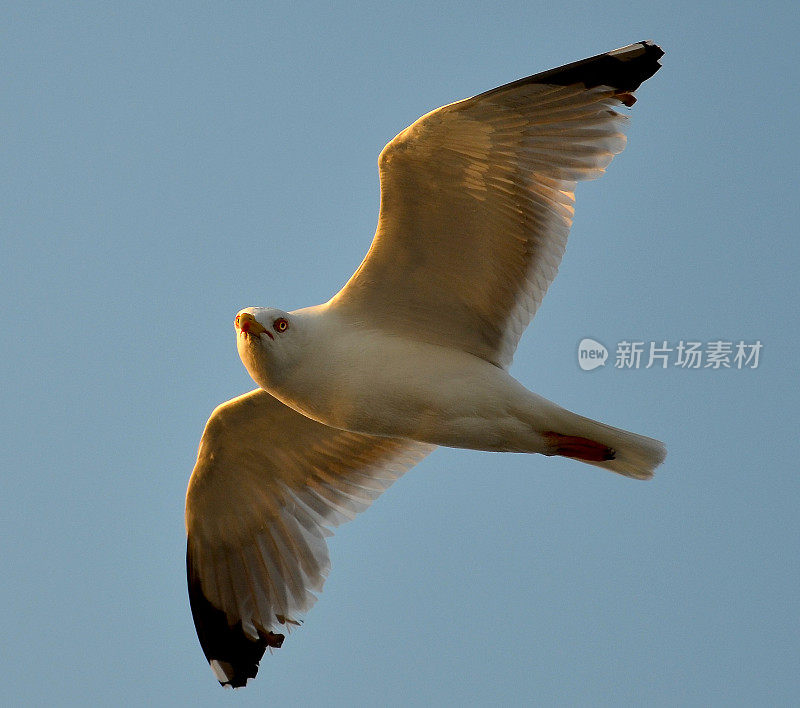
(602, 445)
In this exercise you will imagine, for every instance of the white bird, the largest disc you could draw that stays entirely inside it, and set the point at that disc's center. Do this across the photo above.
(413, 352)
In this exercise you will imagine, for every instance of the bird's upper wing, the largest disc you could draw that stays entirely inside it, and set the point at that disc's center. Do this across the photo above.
(477, 201)
(268, 485)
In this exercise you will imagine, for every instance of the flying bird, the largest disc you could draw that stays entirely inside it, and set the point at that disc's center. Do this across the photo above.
(413, 352)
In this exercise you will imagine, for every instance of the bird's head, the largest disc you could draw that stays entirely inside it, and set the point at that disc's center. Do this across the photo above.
(267, 340)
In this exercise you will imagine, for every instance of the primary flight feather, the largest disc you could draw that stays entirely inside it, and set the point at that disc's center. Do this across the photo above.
(476, 205)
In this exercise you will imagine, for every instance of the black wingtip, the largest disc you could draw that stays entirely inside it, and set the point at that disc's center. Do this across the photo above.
(623, 69)
(232, 655)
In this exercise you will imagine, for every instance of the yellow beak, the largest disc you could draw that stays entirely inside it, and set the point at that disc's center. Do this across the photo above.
(247, 324)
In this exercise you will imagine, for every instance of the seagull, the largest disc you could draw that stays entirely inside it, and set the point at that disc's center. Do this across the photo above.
(412, 353)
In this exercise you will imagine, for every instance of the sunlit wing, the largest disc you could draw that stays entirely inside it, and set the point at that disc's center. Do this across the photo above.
(477, 202)
(267, 487)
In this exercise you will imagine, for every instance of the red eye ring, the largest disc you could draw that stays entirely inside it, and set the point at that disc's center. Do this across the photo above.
(280, 325)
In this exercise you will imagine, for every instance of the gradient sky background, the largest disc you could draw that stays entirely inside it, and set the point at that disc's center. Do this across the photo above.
(163, 167)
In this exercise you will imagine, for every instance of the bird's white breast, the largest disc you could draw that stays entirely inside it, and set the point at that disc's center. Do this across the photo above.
(367, 381)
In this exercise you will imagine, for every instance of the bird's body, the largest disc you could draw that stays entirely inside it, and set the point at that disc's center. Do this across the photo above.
(413, 352)
(354, 378)
(349, 376)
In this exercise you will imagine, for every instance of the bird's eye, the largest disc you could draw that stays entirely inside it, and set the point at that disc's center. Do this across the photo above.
(280, 325)
(236, 321)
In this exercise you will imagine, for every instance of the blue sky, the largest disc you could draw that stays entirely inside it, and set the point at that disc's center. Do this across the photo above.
(163, 167)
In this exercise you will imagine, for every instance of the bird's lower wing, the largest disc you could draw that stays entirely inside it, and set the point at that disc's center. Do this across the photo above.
(477, 202)
(268, 485)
